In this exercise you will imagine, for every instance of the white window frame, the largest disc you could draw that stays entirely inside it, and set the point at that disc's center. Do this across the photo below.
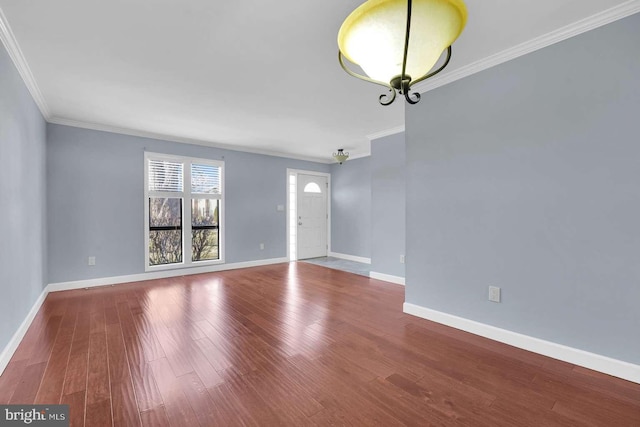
(186, 197)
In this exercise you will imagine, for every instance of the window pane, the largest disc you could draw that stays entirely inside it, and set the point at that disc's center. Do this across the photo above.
(165, 247)
(204, 244)
(312, 187)
(165, 176)
(165, 230)
(165, 212)
(205, 240)
(205, 179)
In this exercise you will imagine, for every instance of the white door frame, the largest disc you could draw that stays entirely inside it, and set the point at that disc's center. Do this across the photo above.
(289, 219)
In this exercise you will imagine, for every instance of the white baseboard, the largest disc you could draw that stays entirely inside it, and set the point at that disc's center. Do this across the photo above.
(17, 337)
(607, 365)
(350, 257)
(387, 277)
(114, 280)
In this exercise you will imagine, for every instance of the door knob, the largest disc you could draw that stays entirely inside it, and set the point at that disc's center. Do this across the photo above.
(300, 223)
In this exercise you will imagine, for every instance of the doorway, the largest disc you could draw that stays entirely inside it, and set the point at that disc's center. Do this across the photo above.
(308, 214)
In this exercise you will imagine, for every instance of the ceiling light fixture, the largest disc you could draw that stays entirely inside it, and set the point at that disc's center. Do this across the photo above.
(341, 156)
(376, 36)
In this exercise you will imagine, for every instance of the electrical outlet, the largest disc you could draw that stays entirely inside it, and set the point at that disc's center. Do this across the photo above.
(261, 246)
(401, 259)
(91, 260)
(494, 293)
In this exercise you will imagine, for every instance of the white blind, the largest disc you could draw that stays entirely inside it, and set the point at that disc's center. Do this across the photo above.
(205, 179)
(165, 176)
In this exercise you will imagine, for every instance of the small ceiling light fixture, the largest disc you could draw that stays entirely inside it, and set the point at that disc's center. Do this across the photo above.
(341, 156)
(398, 42)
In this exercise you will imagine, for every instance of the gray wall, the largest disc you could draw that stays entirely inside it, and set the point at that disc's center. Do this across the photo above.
(95, 201)
(22, 200)
(388, 204)
(527, 176)
(351, 207)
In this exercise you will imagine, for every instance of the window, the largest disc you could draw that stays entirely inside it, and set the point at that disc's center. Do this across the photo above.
(184, 205)
(312, 187)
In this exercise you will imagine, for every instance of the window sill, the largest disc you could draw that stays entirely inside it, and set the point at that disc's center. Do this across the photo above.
(183, 266)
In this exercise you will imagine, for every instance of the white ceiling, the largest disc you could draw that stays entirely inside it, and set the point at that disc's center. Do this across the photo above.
(255, 75)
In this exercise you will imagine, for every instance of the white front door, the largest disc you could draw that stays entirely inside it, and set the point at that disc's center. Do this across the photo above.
(312, 216)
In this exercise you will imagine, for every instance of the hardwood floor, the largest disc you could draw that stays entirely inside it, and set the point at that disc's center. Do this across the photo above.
(289, 344)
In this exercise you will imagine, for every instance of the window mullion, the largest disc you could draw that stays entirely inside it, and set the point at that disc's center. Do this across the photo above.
(186, 225)
(166, 194)
(206, 196)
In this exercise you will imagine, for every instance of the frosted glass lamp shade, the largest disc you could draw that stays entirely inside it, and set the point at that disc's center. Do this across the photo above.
(341, 156)
(373, 36)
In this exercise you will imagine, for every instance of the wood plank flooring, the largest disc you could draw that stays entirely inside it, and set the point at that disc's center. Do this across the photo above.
(289, 345)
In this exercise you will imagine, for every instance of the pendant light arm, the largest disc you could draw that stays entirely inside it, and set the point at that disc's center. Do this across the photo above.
(406, 44)
(433, 73)
(405, 81)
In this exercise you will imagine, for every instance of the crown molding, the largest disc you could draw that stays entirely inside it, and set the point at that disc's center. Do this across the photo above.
(386, 132)
(359, 155)
(173, 138)
(599, 19)
(13, 48)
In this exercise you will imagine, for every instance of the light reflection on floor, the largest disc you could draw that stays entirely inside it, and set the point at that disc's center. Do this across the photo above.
(302, 328)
